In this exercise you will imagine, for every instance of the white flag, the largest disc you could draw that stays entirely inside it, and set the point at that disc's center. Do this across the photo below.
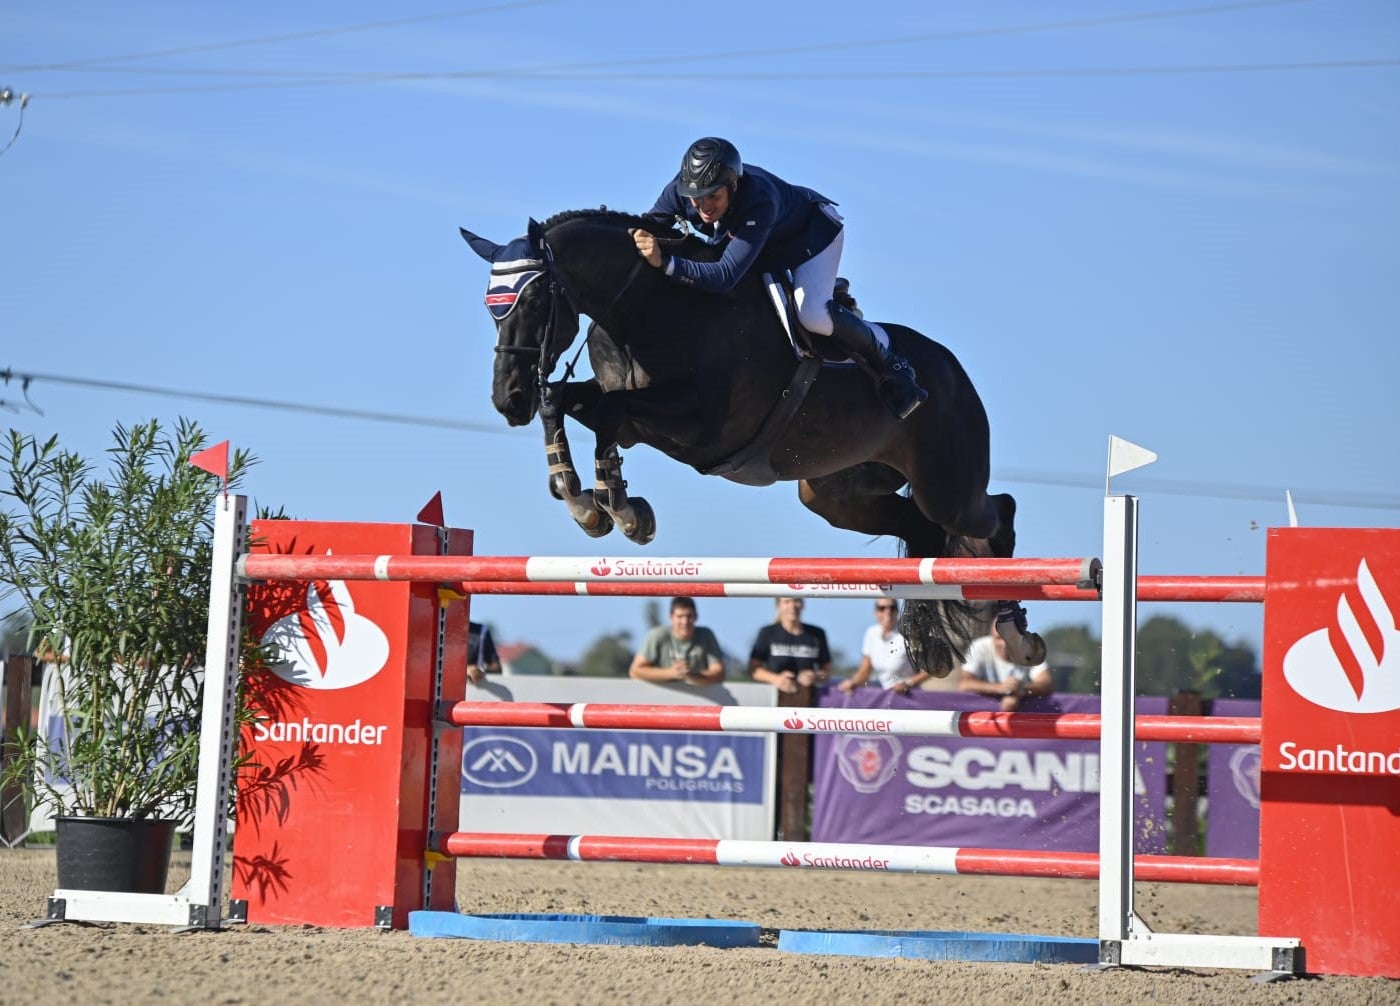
(1292, 514)
(1124, 456)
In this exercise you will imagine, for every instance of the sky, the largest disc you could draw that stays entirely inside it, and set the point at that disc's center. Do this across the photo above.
(1174, 222)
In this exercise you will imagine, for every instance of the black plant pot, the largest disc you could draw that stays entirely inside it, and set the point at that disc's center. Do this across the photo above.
(113, 854)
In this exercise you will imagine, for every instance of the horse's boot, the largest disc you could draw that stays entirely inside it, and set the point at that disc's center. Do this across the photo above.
(893, 376)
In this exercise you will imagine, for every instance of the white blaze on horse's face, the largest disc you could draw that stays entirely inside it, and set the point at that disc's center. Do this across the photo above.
(517, 296)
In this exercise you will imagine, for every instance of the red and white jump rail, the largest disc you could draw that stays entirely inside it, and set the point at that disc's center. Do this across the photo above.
(1228, 589)
(901, 722)
(680, 570)
(945, 860)
(842, 856)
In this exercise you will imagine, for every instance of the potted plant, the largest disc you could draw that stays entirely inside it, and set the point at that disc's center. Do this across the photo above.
(113, 571)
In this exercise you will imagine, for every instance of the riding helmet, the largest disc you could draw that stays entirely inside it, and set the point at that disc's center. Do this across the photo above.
(708, 166)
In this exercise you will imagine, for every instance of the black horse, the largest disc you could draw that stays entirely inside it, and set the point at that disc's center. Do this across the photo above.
(709, 380)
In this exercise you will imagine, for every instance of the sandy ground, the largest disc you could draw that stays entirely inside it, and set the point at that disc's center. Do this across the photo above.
(258, 964)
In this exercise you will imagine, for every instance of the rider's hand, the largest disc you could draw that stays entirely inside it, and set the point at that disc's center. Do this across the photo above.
(647, 248)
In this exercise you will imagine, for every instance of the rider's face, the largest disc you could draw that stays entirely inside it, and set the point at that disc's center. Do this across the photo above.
(713, 206)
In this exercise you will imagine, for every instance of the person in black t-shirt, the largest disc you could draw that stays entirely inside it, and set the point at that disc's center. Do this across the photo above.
(789, 653)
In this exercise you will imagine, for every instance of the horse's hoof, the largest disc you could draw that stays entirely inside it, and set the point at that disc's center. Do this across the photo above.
(643, 527)
(595, 522)
(1030, 652)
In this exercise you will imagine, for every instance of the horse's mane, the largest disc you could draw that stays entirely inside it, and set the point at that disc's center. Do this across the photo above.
(655, 225)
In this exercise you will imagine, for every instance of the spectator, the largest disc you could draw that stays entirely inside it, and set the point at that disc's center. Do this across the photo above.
(481, 653)
(789, 653)
(682, 651)
(883, 652)
(987, 671)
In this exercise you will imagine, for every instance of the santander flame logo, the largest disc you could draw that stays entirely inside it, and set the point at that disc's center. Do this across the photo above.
(790, 859)
(794, 723)
(327, 645)
(1353, 664)
(600, 568)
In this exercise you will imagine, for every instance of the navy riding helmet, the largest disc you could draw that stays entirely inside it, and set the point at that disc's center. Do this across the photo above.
(708, 166)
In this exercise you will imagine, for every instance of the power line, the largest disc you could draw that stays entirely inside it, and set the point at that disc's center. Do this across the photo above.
(787, 50)
(381, 78)
(242, 400)
(273, 39)
(1019, 476)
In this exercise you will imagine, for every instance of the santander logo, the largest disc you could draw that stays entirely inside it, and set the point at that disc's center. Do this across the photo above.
(1353, 664)
(794, 723)
(327, 645)
(790, 859)
(600, 568)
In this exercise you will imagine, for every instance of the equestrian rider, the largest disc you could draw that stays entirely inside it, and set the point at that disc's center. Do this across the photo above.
(772, 225)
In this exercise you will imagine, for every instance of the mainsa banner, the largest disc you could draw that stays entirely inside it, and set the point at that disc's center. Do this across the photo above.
(981, 792)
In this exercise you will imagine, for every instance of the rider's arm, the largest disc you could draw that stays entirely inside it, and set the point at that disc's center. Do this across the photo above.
(748, 233)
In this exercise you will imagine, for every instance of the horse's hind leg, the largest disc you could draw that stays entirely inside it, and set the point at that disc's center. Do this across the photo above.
(989, 529)
(867, 498)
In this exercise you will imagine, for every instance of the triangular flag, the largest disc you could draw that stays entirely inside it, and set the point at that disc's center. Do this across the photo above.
(432, 513)
(1292, 514)
(1124, 456)
(213, 460)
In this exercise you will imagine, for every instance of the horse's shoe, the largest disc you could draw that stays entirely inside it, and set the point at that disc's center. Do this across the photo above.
(1022, 646)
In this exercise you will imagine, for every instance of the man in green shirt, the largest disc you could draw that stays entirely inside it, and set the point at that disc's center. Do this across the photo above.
(682, 651)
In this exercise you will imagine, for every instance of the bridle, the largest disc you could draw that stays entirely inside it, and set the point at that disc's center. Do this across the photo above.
(545, 352)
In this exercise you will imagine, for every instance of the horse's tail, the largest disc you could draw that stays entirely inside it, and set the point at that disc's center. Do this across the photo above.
(937, 633)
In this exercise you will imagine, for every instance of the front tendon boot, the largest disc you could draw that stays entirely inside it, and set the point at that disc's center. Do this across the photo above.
(894, 378)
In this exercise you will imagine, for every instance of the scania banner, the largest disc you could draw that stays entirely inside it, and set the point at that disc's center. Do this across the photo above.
(1232, 790)
(998, 794)
(1330, 793)
(654, 784)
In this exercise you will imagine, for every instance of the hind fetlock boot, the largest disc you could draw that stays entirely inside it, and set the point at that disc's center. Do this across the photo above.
(894, 378)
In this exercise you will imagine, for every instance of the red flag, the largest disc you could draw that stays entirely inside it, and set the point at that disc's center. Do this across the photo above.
(432, 513)
(213, 460)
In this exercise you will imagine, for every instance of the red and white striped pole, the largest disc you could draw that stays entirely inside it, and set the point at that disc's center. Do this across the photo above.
(681, 570)
(840, 856)
(902, 722)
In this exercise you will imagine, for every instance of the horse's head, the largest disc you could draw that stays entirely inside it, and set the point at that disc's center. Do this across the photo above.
(535, 320)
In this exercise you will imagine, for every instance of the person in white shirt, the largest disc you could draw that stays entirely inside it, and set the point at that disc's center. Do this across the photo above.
(987, 671)
(883, 653)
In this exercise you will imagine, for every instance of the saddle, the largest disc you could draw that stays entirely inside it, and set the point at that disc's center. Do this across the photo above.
(804, 343)
(750, 464)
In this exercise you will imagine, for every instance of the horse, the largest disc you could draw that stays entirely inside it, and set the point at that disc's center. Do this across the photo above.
(708, 380)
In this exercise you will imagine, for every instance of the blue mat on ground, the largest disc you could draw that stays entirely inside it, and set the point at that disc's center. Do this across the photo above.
(1013, 948)
(613, 930)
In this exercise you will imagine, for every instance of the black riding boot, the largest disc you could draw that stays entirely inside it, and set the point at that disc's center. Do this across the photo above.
(894, 378)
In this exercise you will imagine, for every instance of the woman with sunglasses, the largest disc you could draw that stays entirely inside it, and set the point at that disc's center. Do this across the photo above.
(883, 653)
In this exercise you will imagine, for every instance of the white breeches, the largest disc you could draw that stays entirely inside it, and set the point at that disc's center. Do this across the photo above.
(814, 280)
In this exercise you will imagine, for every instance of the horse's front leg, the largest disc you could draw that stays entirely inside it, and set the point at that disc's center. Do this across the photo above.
(655, 414)
(563, 477)
(633, 514)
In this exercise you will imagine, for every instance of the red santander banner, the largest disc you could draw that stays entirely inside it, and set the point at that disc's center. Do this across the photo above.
(333, 802)
(1330, 784)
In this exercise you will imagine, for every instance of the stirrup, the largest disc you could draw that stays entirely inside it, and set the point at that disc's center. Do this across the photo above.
(899, 390)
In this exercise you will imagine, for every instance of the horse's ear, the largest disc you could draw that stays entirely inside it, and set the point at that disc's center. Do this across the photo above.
(486, 249)
(535, 233)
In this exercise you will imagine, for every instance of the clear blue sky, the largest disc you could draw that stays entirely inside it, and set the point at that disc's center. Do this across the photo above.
(1206, 263)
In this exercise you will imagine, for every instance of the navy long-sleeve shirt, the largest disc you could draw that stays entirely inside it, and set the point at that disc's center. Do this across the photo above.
(771, 224)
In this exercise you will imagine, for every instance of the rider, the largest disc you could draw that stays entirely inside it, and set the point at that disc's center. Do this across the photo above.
(773, 225)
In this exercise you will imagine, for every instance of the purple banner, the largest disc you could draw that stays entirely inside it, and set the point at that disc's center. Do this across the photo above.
(1232, 790)
(611, 764)
(977, 792)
